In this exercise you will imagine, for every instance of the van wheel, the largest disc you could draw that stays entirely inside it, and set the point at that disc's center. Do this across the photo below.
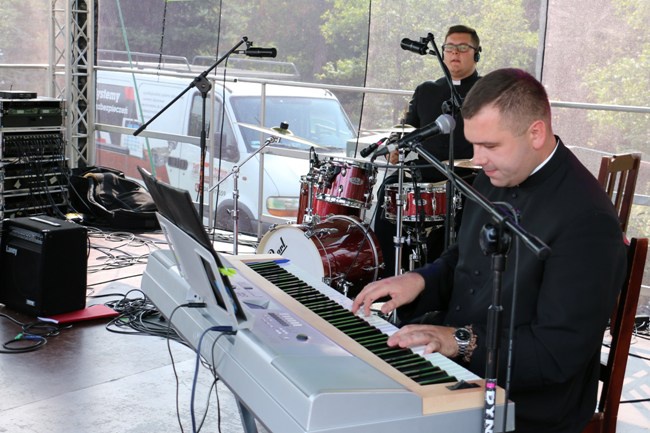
(225, 221)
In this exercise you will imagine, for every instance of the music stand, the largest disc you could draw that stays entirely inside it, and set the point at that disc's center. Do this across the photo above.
(199, 264)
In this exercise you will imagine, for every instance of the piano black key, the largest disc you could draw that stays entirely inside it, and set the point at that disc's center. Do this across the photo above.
(333, 314)
(352, 325)
(389, 354)
(315, 300)
(378, 342)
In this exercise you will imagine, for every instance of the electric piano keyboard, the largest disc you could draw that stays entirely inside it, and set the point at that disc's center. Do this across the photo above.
(296, 372)
(371, 333)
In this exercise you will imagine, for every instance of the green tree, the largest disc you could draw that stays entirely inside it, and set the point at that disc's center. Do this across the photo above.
(508, 30)
(180, 28)
(624, 79)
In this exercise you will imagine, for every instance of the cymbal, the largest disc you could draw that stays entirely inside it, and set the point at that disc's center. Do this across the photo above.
(466, 163)
(403, 129)
(276, 131)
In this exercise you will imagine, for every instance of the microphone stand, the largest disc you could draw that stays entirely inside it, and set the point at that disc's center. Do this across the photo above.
(456, 103)
(203, 85)
(495, 241)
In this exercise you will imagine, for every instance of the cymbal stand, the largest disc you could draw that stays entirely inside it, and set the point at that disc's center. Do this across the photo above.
(235, 192)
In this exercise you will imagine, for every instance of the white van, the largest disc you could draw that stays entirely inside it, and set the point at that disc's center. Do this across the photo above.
(124, 99)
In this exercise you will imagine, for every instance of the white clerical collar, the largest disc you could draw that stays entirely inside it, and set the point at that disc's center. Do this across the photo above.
(539, 167)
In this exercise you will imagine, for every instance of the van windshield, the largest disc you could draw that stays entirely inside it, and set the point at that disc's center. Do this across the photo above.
(317, 120)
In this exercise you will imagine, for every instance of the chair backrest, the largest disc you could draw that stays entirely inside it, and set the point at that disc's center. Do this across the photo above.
(617, 175)
(621, 330)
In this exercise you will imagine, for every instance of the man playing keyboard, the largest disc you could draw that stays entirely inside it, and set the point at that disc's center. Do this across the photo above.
(562, 303)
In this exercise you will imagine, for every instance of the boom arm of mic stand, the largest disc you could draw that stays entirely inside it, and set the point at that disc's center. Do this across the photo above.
(196, 82)
(203, 84)
(539, 248)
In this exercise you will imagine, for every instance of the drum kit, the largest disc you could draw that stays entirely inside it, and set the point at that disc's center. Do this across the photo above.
(330, 236)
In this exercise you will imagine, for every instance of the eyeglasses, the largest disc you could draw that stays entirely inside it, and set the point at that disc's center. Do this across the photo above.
(461, 48)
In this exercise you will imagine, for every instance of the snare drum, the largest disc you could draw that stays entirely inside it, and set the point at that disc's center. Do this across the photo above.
(320, 208)
(347, 182)
(429, 206)
(341, 251)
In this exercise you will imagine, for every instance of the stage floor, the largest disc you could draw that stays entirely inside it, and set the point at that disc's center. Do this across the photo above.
(89, 379)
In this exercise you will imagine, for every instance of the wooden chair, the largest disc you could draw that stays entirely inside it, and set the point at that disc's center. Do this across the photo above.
(612, 374)
(618, 174)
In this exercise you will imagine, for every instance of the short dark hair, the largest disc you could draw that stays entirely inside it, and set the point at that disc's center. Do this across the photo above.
(518, 96)
(464, 29)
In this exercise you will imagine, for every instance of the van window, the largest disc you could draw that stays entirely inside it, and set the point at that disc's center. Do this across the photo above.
(229, 150)
(319, 120)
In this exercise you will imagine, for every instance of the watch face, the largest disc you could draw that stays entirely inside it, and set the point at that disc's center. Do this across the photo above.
(463, 334)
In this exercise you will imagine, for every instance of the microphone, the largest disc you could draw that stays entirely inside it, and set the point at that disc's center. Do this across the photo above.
(417, 47)
(368, 150)
(442, 125)
(260, 52)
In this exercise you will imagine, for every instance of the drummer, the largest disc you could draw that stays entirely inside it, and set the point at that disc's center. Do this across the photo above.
(461, 53)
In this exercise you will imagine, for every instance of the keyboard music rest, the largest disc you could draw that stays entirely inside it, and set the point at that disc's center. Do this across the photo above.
(297, 386)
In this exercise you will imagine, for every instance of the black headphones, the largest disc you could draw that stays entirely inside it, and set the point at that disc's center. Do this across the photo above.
(477, 54)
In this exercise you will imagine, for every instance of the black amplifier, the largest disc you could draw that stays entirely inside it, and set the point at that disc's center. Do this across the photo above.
(43, 265)
(25, 113)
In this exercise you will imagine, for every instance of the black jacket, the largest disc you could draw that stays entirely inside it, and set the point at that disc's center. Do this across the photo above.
(562, 303)
(426, 105)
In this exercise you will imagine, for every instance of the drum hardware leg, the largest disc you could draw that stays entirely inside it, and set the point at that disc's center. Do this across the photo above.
(398, 239)
(417, 241)
(235, 211)
(458, 201)
(344, 287)
(339, 283)
(310, 192)
(362, 214)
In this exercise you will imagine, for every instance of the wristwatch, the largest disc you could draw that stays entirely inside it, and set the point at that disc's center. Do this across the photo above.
(463, 337)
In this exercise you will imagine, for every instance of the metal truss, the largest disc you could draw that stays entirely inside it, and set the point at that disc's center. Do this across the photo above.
(72, 56)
